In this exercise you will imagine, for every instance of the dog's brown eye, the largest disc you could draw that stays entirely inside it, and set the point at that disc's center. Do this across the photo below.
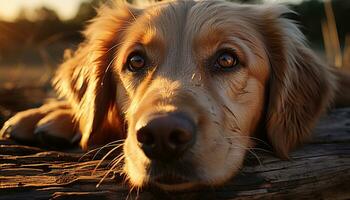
(136, 62)
(227, 60)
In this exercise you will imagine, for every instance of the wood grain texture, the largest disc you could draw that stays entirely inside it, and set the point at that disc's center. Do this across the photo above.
(318, 170)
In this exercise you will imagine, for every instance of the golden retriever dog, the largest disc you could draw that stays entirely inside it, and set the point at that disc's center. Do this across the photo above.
(188, 86)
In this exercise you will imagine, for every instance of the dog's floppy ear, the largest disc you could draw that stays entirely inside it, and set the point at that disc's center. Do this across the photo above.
(300, 87)
(87, 81)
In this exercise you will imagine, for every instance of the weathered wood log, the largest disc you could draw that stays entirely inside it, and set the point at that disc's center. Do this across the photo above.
(318, 170)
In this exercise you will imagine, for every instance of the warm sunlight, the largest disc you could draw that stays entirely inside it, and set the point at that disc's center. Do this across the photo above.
(174, 99)
(65, 9)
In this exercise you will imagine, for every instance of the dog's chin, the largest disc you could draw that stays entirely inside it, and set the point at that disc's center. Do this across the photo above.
(175, 187)
(173, 183)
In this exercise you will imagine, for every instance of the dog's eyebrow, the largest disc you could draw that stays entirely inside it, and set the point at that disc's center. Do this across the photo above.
(152, 39)
(212, 40)
(208, 39)
(145, 35)
(148, 36)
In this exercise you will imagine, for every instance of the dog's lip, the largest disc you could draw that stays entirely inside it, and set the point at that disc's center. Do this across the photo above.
(176, 187)
(173, 182)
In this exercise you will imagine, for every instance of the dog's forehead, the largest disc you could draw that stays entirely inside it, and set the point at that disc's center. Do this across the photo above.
(188, 21)
(198, 15)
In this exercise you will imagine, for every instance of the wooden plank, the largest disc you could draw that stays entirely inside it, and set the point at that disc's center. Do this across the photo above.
(318, 170)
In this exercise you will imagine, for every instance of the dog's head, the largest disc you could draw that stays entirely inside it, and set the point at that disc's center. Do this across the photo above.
(193, 80)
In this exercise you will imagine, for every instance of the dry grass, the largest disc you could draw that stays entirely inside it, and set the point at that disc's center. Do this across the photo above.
(335, 56)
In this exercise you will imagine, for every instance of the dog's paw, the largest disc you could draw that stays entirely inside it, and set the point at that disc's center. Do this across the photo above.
(51, 125)
(57, 129)
(21, 126)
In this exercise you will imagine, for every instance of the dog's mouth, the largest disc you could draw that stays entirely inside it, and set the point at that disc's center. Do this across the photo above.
(172, 176)
(172, 182)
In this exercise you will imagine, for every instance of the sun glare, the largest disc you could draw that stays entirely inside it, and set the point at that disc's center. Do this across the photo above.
(66, 9)
(10, 9)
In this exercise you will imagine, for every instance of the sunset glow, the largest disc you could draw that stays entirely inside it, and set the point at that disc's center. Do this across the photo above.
(66, 9)
(9, 9)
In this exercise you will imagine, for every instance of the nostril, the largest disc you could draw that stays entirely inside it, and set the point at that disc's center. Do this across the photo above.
(145, 136)
(180, 137)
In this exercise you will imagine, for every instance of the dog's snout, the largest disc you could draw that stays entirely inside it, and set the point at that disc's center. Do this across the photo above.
(165, 137)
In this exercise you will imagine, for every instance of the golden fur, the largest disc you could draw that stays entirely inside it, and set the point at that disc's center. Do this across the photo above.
(280, 88)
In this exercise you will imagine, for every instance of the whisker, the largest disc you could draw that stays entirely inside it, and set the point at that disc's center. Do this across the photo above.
(116, 159)
(86, 154)
(254, 138)
(256, 156)
(108, 145)
(137, 193)
(130, 191)
(260, 149)
(107, 173)
(107, 69)
(250, 151)
(112, 61)
(98, 149)
(104, 157)
(118, 44)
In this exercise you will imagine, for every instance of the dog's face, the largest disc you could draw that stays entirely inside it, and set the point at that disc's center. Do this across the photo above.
(195, 81)
(192, 80)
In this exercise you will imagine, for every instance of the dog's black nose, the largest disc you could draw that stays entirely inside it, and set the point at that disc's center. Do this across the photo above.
(167, 136)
